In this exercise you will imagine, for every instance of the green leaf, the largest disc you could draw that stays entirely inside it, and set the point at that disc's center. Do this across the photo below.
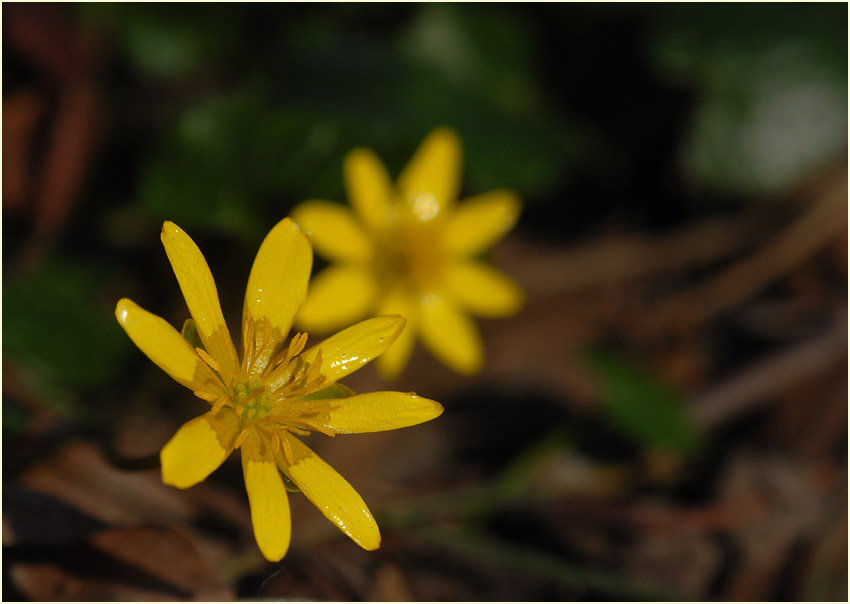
(640, 406)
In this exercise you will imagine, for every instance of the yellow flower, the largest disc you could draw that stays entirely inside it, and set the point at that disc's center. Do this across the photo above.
(411, 250)
(274, 392)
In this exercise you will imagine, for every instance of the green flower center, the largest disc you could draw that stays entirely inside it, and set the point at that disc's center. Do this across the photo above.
(254, 400)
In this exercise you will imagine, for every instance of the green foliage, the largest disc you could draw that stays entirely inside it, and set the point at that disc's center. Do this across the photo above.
(638, 405)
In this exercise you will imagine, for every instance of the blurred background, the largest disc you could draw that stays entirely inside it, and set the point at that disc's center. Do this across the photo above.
(667, 417)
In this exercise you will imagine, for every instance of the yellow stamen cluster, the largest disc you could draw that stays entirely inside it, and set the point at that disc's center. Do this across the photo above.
(259, 393)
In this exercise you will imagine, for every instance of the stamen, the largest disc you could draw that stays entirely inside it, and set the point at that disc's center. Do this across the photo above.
(287, 451)
(253, 395)
(316, 427)
(241, 438)
(300, 431)
(275, 443)
(315, 368)
(220, 403)
(206, 396)
(247, 338)
(206, 358)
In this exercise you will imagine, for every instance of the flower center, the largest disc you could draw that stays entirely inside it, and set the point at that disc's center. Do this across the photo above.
(409, 256)
(253, 398)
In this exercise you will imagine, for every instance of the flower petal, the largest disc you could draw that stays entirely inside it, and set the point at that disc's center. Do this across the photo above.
(338, 296)
(334, 231)
(480, 221)
(483, 290)
(163, 345)
(198, 287)
(277, 285)
(331, 493)
(431, 180)
(369, 187)
(198, 448)
(450, 335)
(267, 498)
(391, 363)
(378, 411)
(350, 349)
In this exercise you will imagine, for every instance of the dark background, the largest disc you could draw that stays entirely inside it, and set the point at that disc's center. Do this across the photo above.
(667, 417)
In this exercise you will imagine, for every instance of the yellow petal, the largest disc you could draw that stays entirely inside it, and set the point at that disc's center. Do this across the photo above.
(391, 363)
(480, 221)
(198, 448)
(277, 285)
(450, 335)
(431, 180)
(198, 287)
(163, 345)
(378, 411)
(338, 296)
(331, 493)
(483, 290)
(350, 349)
(369, 187)
(267, 498)
(334, 231)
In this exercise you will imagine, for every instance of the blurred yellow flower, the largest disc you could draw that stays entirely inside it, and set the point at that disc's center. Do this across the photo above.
(411, 249)
(276, 391)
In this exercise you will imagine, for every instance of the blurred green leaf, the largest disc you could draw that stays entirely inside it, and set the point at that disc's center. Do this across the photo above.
(771, 81)
(56, 327)
(641, 407)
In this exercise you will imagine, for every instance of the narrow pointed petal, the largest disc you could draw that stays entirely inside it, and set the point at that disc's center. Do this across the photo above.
(334, 231)
(198, 448)
(338, 296)
(350, 349)
(430, 183)
(163, 345)
(198, 287)
(277, 285)
(479, 222)
(267, 498)
(392, 362)
(450, 335)
(331, 493)
(378, 411)
(483, 290)
(369, 187)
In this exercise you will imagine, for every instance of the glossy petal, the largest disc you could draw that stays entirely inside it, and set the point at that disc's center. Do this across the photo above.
(430, 182)
(369, 187)
(198, 287)
(479, 222)
(277, 285)
(392, 362)
(338, 296)
(350, 349)
(378, 411)
(267, 498)
(198, 448)
(334, 231)
(483, 290)
(450, 335)
(163, 345)
(331, 493)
